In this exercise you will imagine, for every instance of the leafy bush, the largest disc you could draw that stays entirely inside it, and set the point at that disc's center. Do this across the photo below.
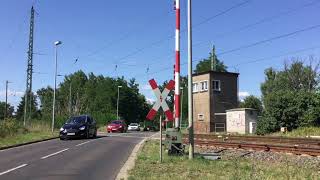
(266, 124)
(10, 127)
(289, 109)
(103, 118)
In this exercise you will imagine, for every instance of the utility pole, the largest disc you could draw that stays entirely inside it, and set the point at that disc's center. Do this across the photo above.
(6, 105)
(70, 100)
(118, 102)
(160, 121)
(213, 59)
(181, 117)
(29, 70)
(190, 96)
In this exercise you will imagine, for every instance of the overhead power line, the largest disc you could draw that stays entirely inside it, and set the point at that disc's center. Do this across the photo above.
(269, 40)
(113, 42)
(183, 30)
(222, 13)
(276, 56)
(252, 45)
(246, 62)
(261, 21)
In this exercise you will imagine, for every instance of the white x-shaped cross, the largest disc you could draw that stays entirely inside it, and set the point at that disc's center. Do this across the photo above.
(161, 100)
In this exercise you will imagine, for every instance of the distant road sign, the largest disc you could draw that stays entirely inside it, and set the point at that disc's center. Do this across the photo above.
(161, 100)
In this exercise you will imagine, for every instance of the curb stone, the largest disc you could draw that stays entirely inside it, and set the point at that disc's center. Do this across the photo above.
(27, 143)
(129, 164)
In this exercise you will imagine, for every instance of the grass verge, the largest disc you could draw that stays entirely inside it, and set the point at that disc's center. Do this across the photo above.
(148, 167)
(301, 132)
(24, 138)
(12, 132)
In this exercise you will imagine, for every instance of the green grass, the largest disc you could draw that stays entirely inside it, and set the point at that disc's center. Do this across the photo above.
(301, 132)
(148, 167)
(26, 137)
(13, 132)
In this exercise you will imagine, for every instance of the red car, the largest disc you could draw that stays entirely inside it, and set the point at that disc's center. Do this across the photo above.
(117, 126)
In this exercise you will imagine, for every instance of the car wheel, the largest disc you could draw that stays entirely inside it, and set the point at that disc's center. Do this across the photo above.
(87, 135)
(95, 134)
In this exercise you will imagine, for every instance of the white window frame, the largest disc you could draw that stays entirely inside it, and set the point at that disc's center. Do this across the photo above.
(215, 127)
(201, 117)
(213, 85)
(201, 86)
(194, 90)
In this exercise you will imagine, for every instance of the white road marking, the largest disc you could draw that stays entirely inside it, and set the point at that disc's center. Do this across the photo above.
(83, 143)
(18, 167)
(44, 157)
(125, 136)
(32, 144)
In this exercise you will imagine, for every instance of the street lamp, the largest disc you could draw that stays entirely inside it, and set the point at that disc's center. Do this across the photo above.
(118, 102)
(57, 43)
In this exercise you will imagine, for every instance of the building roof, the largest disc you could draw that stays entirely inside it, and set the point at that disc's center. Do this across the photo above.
(215, 72)
(241, 109)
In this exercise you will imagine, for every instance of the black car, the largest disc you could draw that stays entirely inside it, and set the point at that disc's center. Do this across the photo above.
(79, 127)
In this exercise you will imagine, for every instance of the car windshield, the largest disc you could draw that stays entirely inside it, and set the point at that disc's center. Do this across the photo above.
(133, 124)
(116, 122)
(77, 120)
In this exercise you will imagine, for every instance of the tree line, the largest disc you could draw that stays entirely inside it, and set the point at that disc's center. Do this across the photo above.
(96, 95)
(289, 97)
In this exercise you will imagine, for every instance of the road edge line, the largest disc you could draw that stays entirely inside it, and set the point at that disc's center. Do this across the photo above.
(130, 163)
(27, 143)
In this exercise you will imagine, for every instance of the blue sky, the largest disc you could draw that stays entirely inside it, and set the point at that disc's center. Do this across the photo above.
(105, 34)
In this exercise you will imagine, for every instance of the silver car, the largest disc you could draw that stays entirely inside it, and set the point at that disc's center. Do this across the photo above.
(134, 127)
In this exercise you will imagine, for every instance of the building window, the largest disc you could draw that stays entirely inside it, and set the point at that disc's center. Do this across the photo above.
(216, 85)
(195, 87)
(200, 117)
(204, 86)
(220, 127)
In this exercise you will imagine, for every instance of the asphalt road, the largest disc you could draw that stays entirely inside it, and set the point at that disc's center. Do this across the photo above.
(99, 158)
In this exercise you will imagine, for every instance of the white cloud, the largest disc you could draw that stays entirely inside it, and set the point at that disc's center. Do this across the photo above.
(150, 100)
(243, 95)
(11, 93)
(146, 87)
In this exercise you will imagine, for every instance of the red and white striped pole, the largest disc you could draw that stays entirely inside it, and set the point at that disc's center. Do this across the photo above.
(177, 67)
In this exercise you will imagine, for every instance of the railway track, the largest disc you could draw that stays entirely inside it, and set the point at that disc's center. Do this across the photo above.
(298, 146)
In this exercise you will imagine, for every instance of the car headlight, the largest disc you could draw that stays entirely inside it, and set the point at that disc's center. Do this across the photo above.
(120, 126)
(61, 129)
(82, 128)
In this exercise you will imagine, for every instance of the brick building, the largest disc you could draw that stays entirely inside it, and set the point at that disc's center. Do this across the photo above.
(213, 94)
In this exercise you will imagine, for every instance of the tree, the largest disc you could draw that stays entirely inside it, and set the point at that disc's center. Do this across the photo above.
(94, 95)
(294, 77)
(46, 98)
(10, 110)
(33, 114)
(205, 65)
(290, 97)
(252, 102)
